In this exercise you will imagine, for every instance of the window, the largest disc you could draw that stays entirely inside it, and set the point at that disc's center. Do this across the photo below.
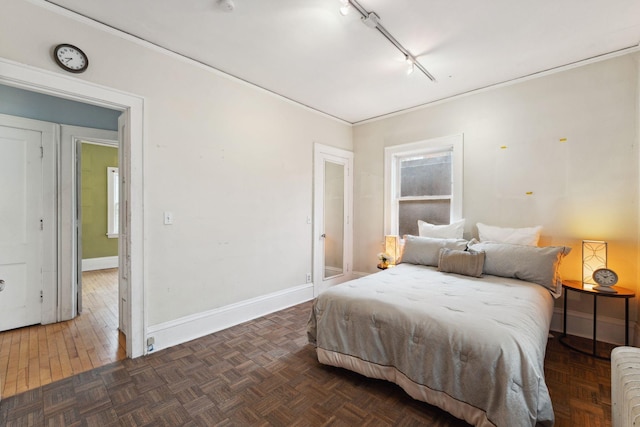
(113, 203)
(423, 181)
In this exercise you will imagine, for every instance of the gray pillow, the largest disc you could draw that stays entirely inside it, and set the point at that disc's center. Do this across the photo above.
(469, 263)
(530, 263)
(426, 250)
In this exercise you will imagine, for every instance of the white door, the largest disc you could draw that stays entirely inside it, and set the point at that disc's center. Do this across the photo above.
(333, 229)
(123, 225)
(21, 215)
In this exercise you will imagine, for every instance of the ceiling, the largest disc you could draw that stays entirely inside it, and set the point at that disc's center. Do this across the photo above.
(306, 51)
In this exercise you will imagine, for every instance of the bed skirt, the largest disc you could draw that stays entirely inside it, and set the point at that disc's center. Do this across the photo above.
(458, 409)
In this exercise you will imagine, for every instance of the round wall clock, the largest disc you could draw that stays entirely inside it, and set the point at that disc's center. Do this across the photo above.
(605, 278)
(70, 58)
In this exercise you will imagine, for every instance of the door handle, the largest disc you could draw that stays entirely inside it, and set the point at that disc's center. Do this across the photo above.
(1, 285)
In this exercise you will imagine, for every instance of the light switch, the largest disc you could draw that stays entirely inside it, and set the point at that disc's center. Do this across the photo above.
(168, 218)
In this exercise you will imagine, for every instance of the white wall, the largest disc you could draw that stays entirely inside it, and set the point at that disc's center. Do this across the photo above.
(232, 162)
(584, 188)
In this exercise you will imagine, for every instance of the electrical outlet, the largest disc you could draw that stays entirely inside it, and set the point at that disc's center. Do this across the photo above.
(308, 277)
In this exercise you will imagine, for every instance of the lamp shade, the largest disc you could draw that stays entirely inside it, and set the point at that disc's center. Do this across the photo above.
(594, 256)
(392, 247)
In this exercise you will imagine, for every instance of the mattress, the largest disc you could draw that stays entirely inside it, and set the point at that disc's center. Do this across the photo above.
(472, 346)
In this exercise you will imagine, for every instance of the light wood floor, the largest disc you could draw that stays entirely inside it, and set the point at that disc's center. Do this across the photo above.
(38, 355)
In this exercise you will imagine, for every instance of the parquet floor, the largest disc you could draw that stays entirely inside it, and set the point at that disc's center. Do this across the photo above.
(38, 355)
(263, 373)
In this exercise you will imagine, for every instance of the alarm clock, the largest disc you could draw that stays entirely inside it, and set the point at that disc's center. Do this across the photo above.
(605, 278)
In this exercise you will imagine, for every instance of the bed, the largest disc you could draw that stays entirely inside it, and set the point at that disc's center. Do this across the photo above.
(472, 346)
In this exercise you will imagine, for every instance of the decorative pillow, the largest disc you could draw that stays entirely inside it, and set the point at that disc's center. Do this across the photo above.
(530, 263)
(426, 250)
(518, 236)
(448, 231)
(469, 262)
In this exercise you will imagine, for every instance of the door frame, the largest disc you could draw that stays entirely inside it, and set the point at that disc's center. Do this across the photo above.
(321, 154)
(131, 156)
(71, 138)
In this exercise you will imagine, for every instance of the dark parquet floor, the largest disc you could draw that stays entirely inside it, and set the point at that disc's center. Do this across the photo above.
(263, 373)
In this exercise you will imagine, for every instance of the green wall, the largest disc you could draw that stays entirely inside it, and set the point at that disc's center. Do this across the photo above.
(95, 161)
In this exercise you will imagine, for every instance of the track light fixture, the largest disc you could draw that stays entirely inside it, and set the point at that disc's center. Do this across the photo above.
(412, 65)
(372, 20)
(344, 9)
(226, 5)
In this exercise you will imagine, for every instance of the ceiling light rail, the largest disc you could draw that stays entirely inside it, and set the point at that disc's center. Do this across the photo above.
(372, 20)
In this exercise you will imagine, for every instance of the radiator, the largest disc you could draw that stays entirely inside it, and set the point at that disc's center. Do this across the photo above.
(625, 387)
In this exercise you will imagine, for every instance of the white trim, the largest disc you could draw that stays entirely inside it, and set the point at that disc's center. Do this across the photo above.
(188, 328)
(391, 175)
(69, 87)
(610, 330)
(112, 205)
(70, 139)
(91, 264)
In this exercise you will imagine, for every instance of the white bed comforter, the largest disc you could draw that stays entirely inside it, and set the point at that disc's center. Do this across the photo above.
(472, 346)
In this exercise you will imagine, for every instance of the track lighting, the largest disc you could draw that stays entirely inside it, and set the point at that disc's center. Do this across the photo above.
(226, 5)
(372, 20)
(412, 65)
(344, 9)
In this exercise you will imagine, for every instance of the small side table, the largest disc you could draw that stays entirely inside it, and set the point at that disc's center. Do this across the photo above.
(576, 286)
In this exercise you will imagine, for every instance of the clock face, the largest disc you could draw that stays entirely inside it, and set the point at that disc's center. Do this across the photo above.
(71, 58)
(605, 277)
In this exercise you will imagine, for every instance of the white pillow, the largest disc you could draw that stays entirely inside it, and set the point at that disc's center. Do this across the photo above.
(517, 236)
(448, 231)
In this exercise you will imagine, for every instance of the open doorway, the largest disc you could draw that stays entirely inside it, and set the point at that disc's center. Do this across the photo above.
(97, 209)
(130, 129)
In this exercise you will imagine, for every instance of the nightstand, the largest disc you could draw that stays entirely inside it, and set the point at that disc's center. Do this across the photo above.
(576, 286)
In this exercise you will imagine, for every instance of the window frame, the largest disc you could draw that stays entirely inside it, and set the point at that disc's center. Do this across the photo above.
(392, 157)
(113, 202)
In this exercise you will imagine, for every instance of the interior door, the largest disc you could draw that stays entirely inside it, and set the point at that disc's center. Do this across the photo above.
(123, 224)
(78, 227)
(21, 223)
(333, 189)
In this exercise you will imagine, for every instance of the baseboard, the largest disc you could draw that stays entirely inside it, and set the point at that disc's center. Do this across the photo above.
(609, 329)
(91, 264)
(188, 328)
